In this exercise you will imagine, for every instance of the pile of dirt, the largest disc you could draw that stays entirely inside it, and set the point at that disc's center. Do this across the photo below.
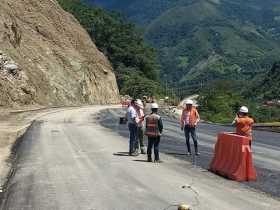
(47, 58)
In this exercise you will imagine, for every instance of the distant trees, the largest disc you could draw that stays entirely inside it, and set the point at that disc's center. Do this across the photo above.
(122, 43)
(220, 101)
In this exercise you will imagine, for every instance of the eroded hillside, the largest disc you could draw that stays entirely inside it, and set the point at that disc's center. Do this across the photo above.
(46, 57)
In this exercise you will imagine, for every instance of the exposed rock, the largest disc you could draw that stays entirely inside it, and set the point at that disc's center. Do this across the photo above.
(11, 68)
(47, 58)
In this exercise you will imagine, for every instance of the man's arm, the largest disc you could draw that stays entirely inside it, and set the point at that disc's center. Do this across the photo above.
(234, 122)
(160, 125)
(198, 118)
(182, 120)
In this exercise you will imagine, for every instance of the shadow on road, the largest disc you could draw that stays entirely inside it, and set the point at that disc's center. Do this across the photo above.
(174, 153)
(144, 161)
(121, 154)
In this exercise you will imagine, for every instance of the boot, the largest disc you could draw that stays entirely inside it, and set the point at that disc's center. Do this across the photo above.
(143, 152)
(149, 159)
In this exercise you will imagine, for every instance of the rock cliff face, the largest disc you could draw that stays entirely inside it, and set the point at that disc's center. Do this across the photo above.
(47, 58)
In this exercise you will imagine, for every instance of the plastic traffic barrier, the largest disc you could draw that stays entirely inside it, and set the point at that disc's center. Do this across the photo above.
(233, 158)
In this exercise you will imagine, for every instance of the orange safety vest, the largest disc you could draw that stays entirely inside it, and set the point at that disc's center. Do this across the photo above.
(193, 116)
(244, 126)
(152, 128)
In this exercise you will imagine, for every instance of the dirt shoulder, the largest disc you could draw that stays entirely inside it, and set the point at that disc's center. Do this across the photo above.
(13, 125)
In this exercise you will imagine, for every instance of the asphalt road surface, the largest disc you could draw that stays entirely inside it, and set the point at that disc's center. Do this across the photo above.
(266, 148)
(69, 161)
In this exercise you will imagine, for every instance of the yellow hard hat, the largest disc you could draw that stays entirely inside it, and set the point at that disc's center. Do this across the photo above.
(184, 207)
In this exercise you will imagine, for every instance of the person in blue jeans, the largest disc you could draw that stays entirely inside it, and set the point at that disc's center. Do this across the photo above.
(133, 128)
(154, 128)
(189, 121)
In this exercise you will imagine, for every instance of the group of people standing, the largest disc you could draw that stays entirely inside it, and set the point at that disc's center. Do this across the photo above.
(135, 119)
(151, 125)
(153, 129)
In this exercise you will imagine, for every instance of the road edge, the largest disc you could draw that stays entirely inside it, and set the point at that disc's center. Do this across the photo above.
(257, 126)
(9, 162)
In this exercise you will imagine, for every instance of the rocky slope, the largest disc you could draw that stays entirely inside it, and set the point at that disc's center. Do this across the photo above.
(47, 58)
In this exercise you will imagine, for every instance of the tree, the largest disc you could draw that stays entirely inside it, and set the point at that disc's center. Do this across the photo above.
(121, 42)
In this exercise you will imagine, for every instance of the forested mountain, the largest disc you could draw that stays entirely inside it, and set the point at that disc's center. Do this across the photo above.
(202, 40)
(135, 63)
(267, 86)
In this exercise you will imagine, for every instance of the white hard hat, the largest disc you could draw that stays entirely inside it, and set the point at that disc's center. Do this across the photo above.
(139, 103)
(244, 109)
(154, 106)
(189, 102)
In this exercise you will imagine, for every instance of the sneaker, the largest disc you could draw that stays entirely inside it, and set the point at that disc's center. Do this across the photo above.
(197, 154)
(189, 153)
(149, 160)
(158, 161)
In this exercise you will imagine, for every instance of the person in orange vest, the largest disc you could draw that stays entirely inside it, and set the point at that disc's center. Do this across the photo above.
(244, 123)
(189, 121)
(154, 128)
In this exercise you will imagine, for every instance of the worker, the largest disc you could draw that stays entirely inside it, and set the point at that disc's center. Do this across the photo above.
(140, 124)
(154, 128)
(189, 121)
(133, 129)
(244, 123)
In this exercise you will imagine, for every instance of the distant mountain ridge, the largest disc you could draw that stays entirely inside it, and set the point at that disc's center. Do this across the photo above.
(202, 40)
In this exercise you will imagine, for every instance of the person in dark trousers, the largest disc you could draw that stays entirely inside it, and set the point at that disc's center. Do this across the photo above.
(133, 129)
(189, 121)
(140, 123)
(154, 128)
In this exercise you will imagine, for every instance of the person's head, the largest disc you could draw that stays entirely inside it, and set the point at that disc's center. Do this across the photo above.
(154, 107)
(243, 111)
(139, 104)
(189, 104)
(132, 102)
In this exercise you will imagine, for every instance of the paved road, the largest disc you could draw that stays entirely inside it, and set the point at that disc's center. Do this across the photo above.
(68, 161)
(266, 148)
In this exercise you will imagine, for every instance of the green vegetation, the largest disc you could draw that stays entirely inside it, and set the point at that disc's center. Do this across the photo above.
(136, 85)
(236, 36)
(267, 86)
(221, 100)
(134, 62)
(212, 42)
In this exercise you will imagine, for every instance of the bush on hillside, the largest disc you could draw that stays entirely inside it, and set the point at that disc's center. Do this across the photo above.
(219, 103)
(119, 40)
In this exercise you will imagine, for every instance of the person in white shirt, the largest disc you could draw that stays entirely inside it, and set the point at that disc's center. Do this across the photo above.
(133, 128)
